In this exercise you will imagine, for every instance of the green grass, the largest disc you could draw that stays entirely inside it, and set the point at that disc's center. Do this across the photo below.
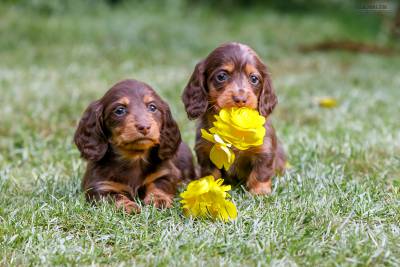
(338, 205)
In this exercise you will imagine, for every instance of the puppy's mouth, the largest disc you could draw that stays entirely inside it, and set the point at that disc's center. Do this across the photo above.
(232, 105)
(240, 105)
(137, 146)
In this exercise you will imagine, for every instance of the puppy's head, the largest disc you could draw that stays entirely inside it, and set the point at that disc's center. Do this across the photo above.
(231, 76)
(131, 119)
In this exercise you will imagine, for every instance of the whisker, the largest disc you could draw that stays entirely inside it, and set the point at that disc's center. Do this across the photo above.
(211, 107)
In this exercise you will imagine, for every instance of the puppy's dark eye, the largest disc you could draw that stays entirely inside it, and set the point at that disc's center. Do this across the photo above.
(120, 111)
(152, 108)
(254, 79)
(222, 76)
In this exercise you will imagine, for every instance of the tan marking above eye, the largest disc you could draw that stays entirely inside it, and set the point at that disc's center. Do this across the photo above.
(250, 69)
(147, 99)
(123, 101)
(228, 67)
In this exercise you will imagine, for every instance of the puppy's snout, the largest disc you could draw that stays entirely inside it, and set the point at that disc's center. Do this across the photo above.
(143, 128)
(239, 99)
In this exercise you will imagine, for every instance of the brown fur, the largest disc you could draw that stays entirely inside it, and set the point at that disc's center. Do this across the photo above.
(205, 95)
(135, 155)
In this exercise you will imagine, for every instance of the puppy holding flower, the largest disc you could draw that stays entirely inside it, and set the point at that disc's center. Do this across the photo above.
(231, 78)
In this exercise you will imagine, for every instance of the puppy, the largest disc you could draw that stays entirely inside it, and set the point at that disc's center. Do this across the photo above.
(234, 76)
(133, 147)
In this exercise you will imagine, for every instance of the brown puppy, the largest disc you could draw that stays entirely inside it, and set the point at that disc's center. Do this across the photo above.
(133, 147)
(234, 76)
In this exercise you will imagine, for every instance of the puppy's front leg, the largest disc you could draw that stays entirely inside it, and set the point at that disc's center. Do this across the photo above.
(259, 181)
(123, 202)
(112, 191)
(160, 192)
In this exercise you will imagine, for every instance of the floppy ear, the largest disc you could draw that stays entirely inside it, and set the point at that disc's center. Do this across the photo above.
(89, 136)
(194, 96)
(170, 136)
(267, 99)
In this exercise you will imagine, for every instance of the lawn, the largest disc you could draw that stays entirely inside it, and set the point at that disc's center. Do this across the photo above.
(338, 205)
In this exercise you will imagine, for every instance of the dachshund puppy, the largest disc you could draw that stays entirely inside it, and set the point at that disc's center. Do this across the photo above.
(234, 76)
(133, 147)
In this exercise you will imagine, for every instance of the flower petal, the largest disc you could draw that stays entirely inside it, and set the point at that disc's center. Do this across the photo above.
(207, 136)
(218, 156)
(230, 157)
(230, 209)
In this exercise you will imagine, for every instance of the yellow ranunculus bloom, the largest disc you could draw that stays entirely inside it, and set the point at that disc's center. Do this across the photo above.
(241, 127)
(221, 154)
(206, 197)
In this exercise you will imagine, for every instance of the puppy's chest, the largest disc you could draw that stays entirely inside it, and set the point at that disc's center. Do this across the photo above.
(242, 166)
(132, 174)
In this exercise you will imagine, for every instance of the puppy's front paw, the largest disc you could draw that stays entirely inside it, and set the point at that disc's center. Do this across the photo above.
(123, 202)
(259, 188)
(159, 201)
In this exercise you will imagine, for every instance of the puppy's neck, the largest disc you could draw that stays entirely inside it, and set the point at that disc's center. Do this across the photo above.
(206, 121)
(142, 158)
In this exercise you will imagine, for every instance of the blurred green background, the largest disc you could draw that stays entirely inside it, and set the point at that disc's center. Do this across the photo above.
(338, 205)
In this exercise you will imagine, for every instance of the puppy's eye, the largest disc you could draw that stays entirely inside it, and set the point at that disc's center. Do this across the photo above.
(120, 111)
(254, 79)
(152, 108)
(222, 76)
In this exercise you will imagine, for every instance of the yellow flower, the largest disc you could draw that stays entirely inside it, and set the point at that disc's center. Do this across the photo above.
(327, 102)
(206, 197)
(241, 127)
(288, 165)
(220, 153)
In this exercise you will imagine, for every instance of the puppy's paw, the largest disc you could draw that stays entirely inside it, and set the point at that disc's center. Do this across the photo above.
(160, 201)
(258, 188)
(206, 171)
(123, 202)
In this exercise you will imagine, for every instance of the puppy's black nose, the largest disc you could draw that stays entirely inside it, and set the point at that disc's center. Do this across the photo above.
(143, 128)
(239, 99)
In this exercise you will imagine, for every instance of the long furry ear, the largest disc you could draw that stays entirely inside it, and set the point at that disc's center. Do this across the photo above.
(267, 99)
(194, 96)
(89, 136)
(170, 136)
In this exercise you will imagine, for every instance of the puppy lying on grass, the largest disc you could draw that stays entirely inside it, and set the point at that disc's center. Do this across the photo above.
(133, 147)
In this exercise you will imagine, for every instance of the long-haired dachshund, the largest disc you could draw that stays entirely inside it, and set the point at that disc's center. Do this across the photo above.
(133, 147)
(234, 76)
